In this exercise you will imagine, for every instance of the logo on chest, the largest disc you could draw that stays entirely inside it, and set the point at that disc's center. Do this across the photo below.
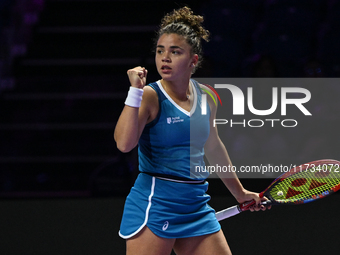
(174, 120)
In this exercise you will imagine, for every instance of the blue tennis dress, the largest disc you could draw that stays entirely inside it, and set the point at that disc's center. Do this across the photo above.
(169, 195)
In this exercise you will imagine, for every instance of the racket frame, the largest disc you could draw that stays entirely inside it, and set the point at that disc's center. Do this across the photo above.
(234, 210)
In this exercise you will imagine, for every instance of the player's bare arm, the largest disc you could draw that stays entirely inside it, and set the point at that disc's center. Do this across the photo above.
(133, 119)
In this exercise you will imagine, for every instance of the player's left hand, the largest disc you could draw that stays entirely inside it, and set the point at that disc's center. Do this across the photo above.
(248, 196)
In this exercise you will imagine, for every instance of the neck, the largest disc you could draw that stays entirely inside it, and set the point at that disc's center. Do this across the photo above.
(178, 90)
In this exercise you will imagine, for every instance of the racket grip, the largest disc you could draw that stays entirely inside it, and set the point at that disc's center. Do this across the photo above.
(246, 205)
(226, 213)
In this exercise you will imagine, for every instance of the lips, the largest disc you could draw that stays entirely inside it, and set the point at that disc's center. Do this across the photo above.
(165, 67)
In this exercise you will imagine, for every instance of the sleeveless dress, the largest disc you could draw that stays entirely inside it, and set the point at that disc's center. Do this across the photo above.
(169, 195)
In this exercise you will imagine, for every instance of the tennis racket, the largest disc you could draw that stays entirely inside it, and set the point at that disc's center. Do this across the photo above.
(301, 184)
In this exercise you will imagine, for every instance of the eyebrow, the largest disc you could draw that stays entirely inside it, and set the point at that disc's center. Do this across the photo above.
(171, 47)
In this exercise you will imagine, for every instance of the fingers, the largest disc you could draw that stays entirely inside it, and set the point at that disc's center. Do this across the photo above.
(137, 76)
(143, 73)
(257, 206)
(260, 207)
(252, 201)
(140, 71)
(267, 206)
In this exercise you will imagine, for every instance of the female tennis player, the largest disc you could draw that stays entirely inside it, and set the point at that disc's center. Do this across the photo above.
(167, 206)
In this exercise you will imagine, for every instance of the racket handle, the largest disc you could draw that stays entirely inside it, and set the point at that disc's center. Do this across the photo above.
(246, 205)
(226, 213)
(236, 209)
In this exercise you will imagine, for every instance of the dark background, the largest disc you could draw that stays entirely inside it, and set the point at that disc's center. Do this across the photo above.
(63, 84)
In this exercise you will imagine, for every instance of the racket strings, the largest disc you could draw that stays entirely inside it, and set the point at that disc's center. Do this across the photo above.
(305, 185)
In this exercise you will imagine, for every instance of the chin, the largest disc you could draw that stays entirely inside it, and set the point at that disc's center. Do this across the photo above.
(166, 77)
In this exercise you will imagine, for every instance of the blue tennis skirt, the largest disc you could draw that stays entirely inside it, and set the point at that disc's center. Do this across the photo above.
(169, 209)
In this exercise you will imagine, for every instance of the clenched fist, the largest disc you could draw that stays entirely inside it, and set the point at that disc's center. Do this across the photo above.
(137, 76)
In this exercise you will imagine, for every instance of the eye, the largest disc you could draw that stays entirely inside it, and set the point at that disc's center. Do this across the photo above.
(159, 51)
(176, 52)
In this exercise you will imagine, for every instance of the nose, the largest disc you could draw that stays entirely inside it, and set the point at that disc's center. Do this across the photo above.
(166, 57)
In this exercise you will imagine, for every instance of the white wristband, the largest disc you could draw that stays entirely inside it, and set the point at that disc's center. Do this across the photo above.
(134, 97)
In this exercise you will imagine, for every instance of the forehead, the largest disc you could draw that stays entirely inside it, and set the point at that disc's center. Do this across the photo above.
(168, 40)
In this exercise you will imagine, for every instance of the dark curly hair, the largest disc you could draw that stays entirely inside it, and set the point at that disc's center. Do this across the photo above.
(185, 23)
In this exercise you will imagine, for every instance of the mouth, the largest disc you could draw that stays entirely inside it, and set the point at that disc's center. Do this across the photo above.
(165, 67)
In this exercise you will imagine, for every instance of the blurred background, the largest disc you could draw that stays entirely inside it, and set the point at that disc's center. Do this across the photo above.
(63, 84)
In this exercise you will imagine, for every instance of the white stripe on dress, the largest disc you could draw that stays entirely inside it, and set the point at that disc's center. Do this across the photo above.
(146, 212)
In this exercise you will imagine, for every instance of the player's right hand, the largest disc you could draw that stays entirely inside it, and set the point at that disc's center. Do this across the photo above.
(137, 76)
